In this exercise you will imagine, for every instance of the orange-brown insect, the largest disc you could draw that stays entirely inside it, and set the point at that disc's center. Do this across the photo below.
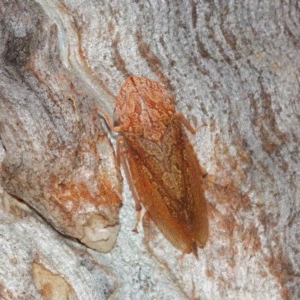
(162, 168)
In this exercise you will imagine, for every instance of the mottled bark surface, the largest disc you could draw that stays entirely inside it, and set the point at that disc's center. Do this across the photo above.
(234, 66)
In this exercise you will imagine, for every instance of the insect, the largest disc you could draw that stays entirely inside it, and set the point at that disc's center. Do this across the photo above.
(163, 171)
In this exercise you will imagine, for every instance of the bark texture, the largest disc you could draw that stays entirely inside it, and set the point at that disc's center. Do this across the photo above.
(55, 149)
(234, 66)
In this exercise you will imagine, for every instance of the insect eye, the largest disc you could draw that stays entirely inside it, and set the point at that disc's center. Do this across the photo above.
(116, 123)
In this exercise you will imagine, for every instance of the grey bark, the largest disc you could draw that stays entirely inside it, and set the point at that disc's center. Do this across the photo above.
(234, 66)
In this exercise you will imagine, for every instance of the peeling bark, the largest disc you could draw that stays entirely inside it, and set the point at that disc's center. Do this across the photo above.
(57, 158)
(233, 65)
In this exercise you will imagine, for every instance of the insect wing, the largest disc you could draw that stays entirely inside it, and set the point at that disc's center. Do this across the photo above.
(196, 207)
(189, 205)
(167, 179)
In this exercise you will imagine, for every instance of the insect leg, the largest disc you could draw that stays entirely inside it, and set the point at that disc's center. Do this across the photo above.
(119, 149)
(146, 226)
(138, 206)
(217, 181)
(105, 116)
(187, 124)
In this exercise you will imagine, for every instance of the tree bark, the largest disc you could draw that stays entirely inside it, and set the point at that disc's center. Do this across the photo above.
(235, 67)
